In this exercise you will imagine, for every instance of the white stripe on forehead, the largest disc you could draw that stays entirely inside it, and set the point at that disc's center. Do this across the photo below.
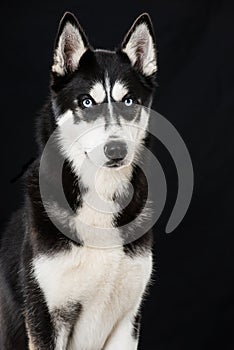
(108, 88)
(119, 91)
(98, 92)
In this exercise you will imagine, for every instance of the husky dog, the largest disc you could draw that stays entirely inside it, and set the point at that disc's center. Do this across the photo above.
(81, 288)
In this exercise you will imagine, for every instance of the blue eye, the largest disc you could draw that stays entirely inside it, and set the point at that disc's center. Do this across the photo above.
(128, 101)
(87, 103)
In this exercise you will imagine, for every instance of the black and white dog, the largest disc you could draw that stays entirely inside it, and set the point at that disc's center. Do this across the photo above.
(83, 290)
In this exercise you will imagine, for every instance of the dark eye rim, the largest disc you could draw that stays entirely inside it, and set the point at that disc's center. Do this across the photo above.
(82, 98)
(134, 100)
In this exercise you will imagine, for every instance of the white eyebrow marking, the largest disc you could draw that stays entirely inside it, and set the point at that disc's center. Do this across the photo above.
(98, 92)
(108, 87)
(119, 91)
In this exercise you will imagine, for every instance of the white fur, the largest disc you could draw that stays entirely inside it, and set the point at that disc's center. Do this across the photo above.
(121, 337)
(98, 93)
(108, 91)
(107, 283)
(119, 91)
(62, 337)
(141, 39)
(94, 220)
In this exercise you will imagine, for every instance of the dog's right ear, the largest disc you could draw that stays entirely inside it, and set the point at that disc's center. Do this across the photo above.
(70, 44)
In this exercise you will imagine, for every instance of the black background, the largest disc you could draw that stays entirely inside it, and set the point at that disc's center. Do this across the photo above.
(191, 303)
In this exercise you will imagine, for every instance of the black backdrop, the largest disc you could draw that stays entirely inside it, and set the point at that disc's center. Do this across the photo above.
(191, 303)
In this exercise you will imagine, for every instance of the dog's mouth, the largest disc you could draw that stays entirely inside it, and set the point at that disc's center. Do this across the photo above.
(114, 163)
(110, 164)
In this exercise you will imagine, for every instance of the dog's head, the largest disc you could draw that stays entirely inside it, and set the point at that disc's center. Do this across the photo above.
(106, 94)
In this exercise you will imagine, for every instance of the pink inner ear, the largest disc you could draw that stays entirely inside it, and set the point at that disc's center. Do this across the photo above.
(70, 63)
(140, 52)
(68, 52)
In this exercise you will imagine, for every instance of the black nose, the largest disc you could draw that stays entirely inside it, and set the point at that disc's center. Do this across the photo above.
(115, 150)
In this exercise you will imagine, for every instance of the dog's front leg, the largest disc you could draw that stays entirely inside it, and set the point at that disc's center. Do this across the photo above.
(46, 330)
(54, 341)
(125, 335)
(35, 342)
(40, 330)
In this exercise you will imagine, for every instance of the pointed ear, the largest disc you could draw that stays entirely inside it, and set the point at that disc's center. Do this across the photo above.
(139, 45)
(70, 44)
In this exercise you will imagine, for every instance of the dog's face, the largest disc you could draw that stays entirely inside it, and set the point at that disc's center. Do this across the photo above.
(103, 94)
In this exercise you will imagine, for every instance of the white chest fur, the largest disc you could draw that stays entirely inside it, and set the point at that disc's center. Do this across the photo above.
(108, 284)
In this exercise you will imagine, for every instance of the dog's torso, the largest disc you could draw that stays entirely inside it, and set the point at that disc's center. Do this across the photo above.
(106, 283)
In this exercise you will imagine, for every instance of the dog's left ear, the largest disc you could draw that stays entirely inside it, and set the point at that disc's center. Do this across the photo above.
(70, 45)
(139, 45)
